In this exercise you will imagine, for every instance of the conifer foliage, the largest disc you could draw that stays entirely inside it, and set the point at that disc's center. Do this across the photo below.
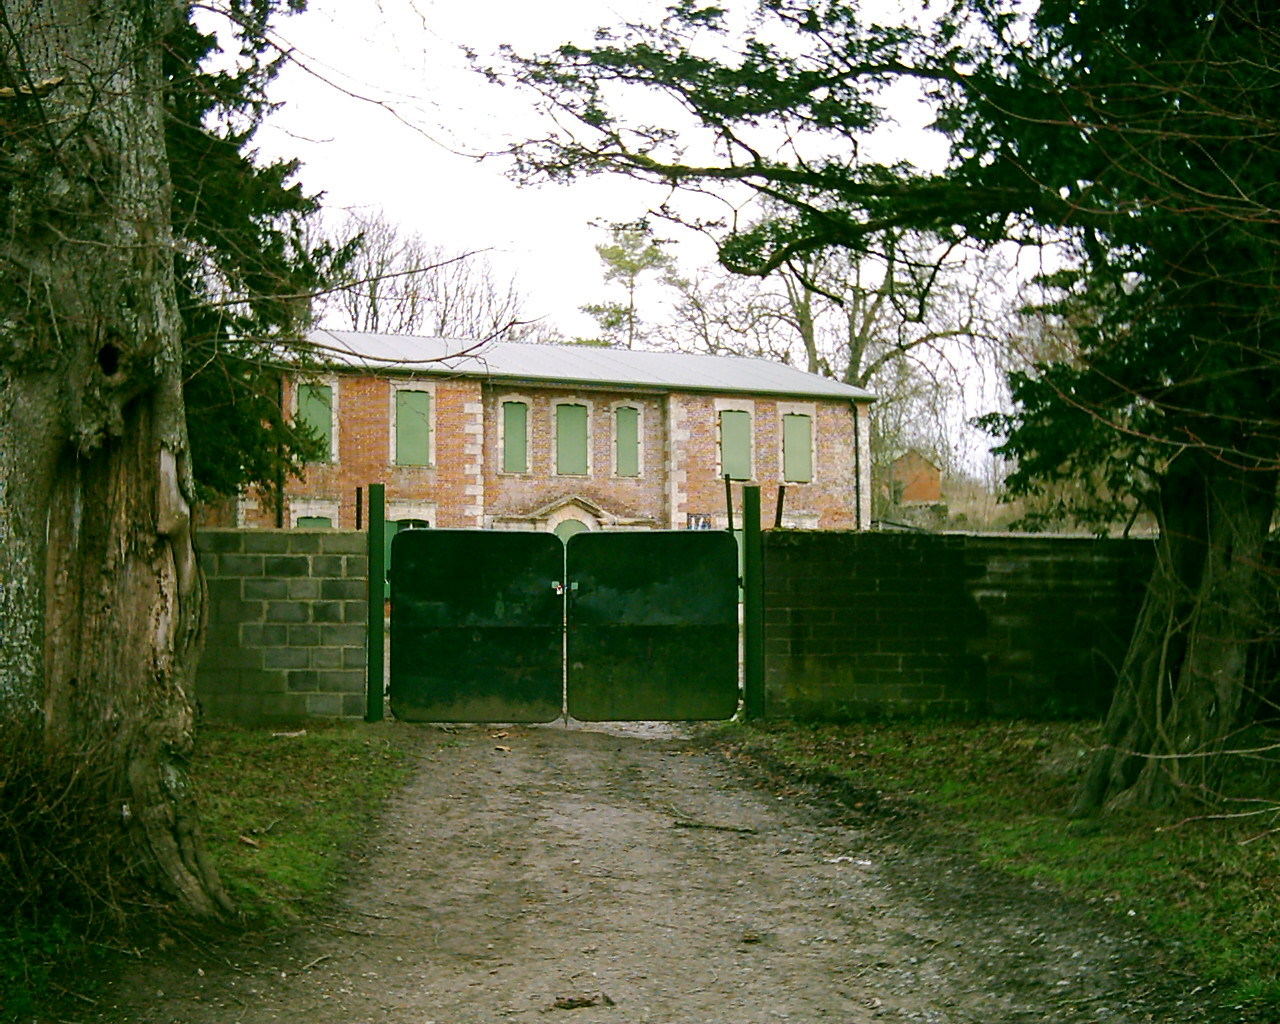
(1137, 141)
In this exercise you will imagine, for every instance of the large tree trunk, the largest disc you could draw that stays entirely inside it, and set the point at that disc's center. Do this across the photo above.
(1184, 686)
(100, 595)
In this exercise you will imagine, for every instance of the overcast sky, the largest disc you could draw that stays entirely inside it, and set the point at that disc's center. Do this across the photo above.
(381, 106)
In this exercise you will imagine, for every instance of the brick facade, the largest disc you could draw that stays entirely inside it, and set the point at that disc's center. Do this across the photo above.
(915, 480)
(465, 484)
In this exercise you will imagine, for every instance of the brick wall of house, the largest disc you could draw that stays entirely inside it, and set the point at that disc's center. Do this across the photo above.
(915, 479)
(871, 623)
(828, 502)
(466, 487)
(512, 495)
(448, 493)
(286, 632)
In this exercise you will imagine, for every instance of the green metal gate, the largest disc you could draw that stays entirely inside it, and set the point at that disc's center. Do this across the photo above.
(478, 623)
(652, 626)
(477, 626)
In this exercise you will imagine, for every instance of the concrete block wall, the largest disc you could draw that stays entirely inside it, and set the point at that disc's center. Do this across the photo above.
(861, 624)
(286, 633)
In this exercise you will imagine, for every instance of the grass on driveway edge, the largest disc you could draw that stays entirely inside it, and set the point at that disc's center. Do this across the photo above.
(283, 811)
(1208, 885)
(284, 814)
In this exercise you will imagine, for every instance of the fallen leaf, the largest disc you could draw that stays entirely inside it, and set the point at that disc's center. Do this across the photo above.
(250, 841)
(505, 750)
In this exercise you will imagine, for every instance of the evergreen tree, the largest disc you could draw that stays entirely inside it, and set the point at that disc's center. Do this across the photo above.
(245, 270)
(1139, 138)
(630, 253)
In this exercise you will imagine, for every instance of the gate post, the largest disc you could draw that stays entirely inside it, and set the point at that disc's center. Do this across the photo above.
(375, 682)
(752, 605)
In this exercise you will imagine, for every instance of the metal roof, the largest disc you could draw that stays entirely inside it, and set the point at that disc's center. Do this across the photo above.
(574, 364)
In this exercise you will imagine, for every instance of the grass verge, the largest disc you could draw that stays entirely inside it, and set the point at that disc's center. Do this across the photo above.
(282, 811)
(1210, 884)
(282, 815)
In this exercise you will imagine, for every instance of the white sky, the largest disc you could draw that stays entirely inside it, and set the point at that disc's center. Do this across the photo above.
(402, 153)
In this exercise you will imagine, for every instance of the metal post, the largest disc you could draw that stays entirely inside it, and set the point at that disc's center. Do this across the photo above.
(375, 681)
(777, 512)
(753, 697)
(728, 500)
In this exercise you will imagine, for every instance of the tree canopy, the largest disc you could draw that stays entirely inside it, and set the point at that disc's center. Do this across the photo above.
(1135, 138)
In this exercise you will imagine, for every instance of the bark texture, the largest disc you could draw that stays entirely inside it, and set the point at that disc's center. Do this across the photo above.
(102, 602)
(1185, 684)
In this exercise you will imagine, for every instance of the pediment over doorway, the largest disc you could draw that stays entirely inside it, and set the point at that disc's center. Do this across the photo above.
(572, 508)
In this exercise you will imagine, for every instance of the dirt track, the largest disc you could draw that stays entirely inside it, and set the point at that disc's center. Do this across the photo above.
(632, 875)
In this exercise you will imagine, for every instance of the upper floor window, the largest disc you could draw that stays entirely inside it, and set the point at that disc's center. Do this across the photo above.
(413, 427)
(626, 440)
(797, 448)
(515, 437)
(315, 410)
(735, 444)
(571, 440)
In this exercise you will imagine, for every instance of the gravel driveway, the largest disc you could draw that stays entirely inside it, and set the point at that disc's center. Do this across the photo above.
(618, 876)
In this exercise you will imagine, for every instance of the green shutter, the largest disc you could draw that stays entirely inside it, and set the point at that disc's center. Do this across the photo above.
(627, 441)
(797, 448)
(413, 428)
(735, 444)
(315, 523)
(515, 437)
(315, 409)
(571, 440)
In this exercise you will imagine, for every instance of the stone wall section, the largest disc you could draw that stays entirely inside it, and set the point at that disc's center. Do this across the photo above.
(856, 624)
(286, 632)
(861, 624)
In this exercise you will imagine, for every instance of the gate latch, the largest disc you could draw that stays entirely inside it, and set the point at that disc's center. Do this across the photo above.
(560, 588)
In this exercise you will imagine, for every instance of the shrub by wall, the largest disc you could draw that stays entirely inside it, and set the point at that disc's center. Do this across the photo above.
(286, 634)
(860, 624)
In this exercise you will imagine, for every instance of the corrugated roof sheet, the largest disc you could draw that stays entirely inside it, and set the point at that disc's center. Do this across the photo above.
(579, 364)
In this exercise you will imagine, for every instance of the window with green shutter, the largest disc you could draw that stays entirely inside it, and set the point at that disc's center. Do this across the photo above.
(315, 523)
(315, 410)
(571, 440)
(413, 428)
(626, 421)
(735, 444)
(797, 448)
(515, 437)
